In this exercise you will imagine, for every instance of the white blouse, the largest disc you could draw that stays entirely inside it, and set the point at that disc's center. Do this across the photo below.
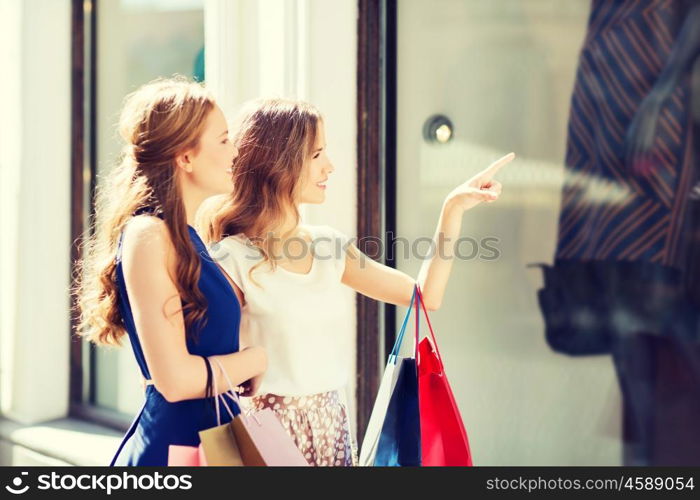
(294, 316)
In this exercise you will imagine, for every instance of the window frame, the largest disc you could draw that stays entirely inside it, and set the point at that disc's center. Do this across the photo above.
(82, 394)
(376, 185)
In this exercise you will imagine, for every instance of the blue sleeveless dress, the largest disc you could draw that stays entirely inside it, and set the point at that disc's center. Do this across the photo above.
(161, 423)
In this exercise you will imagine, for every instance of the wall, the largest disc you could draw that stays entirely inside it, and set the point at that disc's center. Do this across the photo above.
(35, 173)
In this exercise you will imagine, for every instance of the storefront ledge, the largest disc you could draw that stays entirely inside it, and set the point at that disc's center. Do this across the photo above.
(58, 442)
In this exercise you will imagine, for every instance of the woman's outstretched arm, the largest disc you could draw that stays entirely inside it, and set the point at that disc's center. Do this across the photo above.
(386, 284)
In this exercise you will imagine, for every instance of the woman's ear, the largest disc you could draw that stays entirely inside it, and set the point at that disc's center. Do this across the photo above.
(184, 161)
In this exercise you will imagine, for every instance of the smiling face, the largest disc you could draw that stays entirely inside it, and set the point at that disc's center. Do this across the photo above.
(210, 163)
(316, 170)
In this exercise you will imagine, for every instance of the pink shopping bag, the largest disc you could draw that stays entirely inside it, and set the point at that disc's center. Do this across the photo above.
(186, 456)
(260, 436)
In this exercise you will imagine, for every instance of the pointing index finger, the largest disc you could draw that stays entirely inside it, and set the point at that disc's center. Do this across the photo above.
(493, 169)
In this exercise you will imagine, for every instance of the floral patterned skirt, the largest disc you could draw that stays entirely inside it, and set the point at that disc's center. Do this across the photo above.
(317, 423)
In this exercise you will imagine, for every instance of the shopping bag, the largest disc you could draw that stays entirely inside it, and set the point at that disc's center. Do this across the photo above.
(444, 440)
(259, 435)
(263, 441)
(220, 447)
(186, 456)
(368, 450)
(400, 440)
(218, 443)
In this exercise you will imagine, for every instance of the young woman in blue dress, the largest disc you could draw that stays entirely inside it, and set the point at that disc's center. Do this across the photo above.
(147, 275)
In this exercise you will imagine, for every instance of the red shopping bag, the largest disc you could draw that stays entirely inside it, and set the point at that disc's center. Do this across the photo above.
(444, 439)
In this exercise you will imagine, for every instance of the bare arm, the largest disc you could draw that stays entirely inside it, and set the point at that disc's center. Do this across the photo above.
(383, 283)
(148, 259)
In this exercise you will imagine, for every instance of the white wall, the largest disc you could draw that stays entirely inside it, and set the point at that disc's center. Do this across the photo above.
(332, 81)
(35, 207)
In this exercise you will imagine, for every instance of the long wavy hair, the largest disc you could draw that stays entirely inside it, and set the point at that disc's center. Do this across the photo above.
(158, 121)
(274, 138)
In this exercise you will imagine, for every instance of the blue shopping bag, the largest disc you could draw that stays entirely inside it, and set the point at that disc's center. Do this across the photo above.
(393, 434)
(399, 442)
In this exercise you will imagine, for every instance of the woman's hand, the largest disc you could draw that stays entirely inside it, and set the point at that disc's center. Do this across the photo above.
(380, 282)
(434, 273)
(482, 187)
(250, 387)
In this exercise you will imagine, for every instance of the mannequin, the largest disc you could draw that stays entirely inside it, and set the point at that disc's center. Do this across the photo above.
(625, 277)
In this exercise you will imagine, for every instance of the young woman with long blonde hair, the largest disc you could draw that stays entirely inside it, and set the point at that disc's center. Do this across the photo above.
(289, 276)
(146, 273)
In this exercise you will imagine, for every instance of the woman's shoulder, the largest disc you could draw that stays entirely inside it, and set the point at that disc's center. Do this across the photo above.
(323, 231)
(237, 245)
(238, 240)
(334, 240)
(146, 243)
(144, 231)
(235, 238)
